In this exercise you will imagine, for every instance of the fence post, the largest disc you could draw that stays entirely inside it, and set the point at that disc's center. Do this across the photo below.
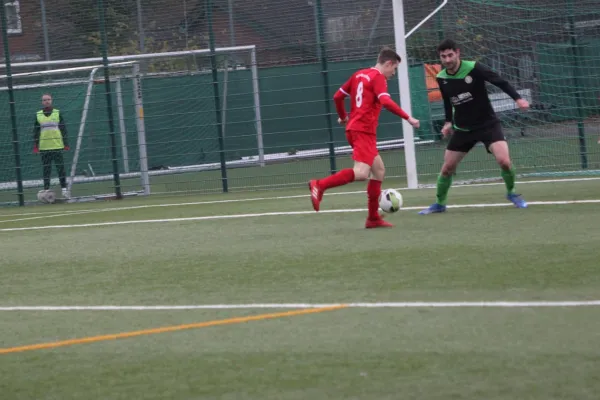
(11, 103)
(111, 122)
(215, 78)
(325, 75)
(577, 79)
(440, 22)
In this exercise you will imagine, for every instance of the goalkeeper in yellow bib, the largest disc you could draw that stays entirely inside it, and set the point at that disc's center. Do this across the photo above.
(50, 140)
(470, 118)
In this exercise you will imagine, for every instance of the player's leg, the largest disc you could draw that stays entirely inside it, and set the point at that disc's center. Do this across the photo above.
(46, 167)
(366, 154)
(360, 171)
(496, 144)
(374, 219)
(318, 187)
(459, 146)
(364, 171)
(501, 153)
(60, 168)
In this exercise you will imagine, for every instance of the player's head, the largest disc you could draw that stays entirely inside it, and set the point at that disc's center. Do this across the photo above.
(388, 61)
(47, 100)
(449, 54)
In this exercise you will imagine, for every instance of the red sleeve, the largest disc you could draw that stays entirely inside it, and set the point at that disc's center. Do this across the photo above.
(391, 106)
(339, 97)
(346, 87)
(380, 86)
(380, 89)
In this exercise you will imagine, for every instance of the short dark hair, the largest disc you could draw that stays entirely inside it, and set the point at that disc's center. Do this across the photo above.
(447, 44)
(387, 54)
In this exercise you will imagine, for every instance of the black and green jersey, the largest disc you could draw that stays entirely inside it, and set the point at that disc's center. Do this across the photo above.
(466, 100)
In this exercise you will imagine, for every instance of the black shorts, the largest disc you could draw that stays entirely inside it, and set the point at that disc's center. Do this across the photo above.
(463, 141)
(52, 155)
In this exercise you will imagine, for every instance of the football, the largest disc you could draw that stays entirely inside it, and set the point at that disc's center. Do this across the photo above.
(390, 200)
(46, 196)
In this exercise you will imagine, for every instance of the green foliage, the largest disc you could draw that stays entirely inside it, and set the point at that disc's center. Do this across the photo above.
(422, 44)
(467, 35)
(123, 36)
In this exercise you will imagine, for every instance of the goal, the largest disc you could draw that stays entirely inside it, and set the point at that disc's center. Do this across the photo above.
(164, 118)
(548, 51)
(82, 102)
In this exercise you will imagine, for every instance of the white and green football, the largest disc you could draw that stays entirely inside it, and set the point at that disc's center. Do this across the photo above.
(390, 200)
(46, 196)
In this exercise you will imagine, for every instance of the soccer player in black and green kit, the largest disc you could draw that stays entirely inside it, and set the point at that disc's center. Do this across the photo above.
(470, 118)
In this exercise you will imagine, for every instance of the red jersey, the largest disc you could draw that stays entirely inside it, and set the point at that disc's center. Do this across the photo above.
(365, 88)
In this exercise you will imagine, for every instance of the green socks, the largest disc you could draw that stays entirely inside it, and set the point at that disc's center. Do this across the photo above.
(509, 180)
(443, 185)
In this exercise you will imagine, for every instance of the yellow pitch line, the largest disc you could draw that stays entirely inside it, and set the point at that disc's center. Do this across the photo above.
(174, 328)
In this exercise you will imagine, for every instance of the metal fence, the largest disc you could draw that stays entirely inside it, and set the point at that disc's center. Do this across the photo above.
(200, 108)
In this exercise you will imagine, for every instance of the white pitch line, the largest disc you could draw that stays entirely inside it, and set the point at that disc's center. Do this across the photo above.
(208, 202)
(409, 304)
(127, 208)
(36, 213)
(457, 185)
(531, 203)
(279, 213)
(183, 219)
(56, 215)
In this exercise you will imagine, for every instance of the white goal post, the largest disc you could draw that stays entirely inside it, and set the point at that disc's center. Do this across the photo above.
(403, 83)
(137, 95)
(91, 81)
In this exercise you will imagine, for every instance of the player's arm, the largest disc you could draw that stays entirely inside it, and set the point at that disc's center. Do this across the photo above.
(447, 102)
(498, 81)
(380, 89)
(36, 135)
(63, 130)
(340, 96)
(447, 128)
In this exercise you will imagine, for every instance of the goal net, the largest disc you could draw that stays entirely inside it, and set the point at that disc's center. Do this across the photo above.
(79, 93)
(164, 122)
(549, 51)
(280, 131)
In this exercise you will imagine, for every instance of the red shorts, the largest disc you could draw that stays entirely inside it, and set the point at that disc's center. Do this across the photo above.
(364, 146)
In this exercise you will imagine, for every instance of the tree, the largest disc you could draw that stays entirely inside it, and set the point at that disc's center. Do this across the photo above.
(76, 23)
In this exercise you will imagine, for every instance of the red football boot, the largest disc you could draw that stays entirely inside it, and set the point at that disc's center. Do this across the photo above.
(316, 194)
(377, 223)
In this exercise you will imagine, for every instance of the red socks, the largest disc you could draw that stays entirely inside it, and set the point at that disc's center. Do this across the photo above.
(340, 178)
(346, 176)
(373, 192)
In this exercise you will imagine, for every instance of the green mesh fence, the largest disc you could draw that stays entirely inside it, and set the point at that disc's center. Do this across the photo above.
(549, 51)
(277, 114)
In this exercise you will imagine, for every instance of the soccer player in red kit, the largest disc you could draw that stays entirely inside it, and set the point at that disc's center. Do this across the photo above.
(367, 89)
